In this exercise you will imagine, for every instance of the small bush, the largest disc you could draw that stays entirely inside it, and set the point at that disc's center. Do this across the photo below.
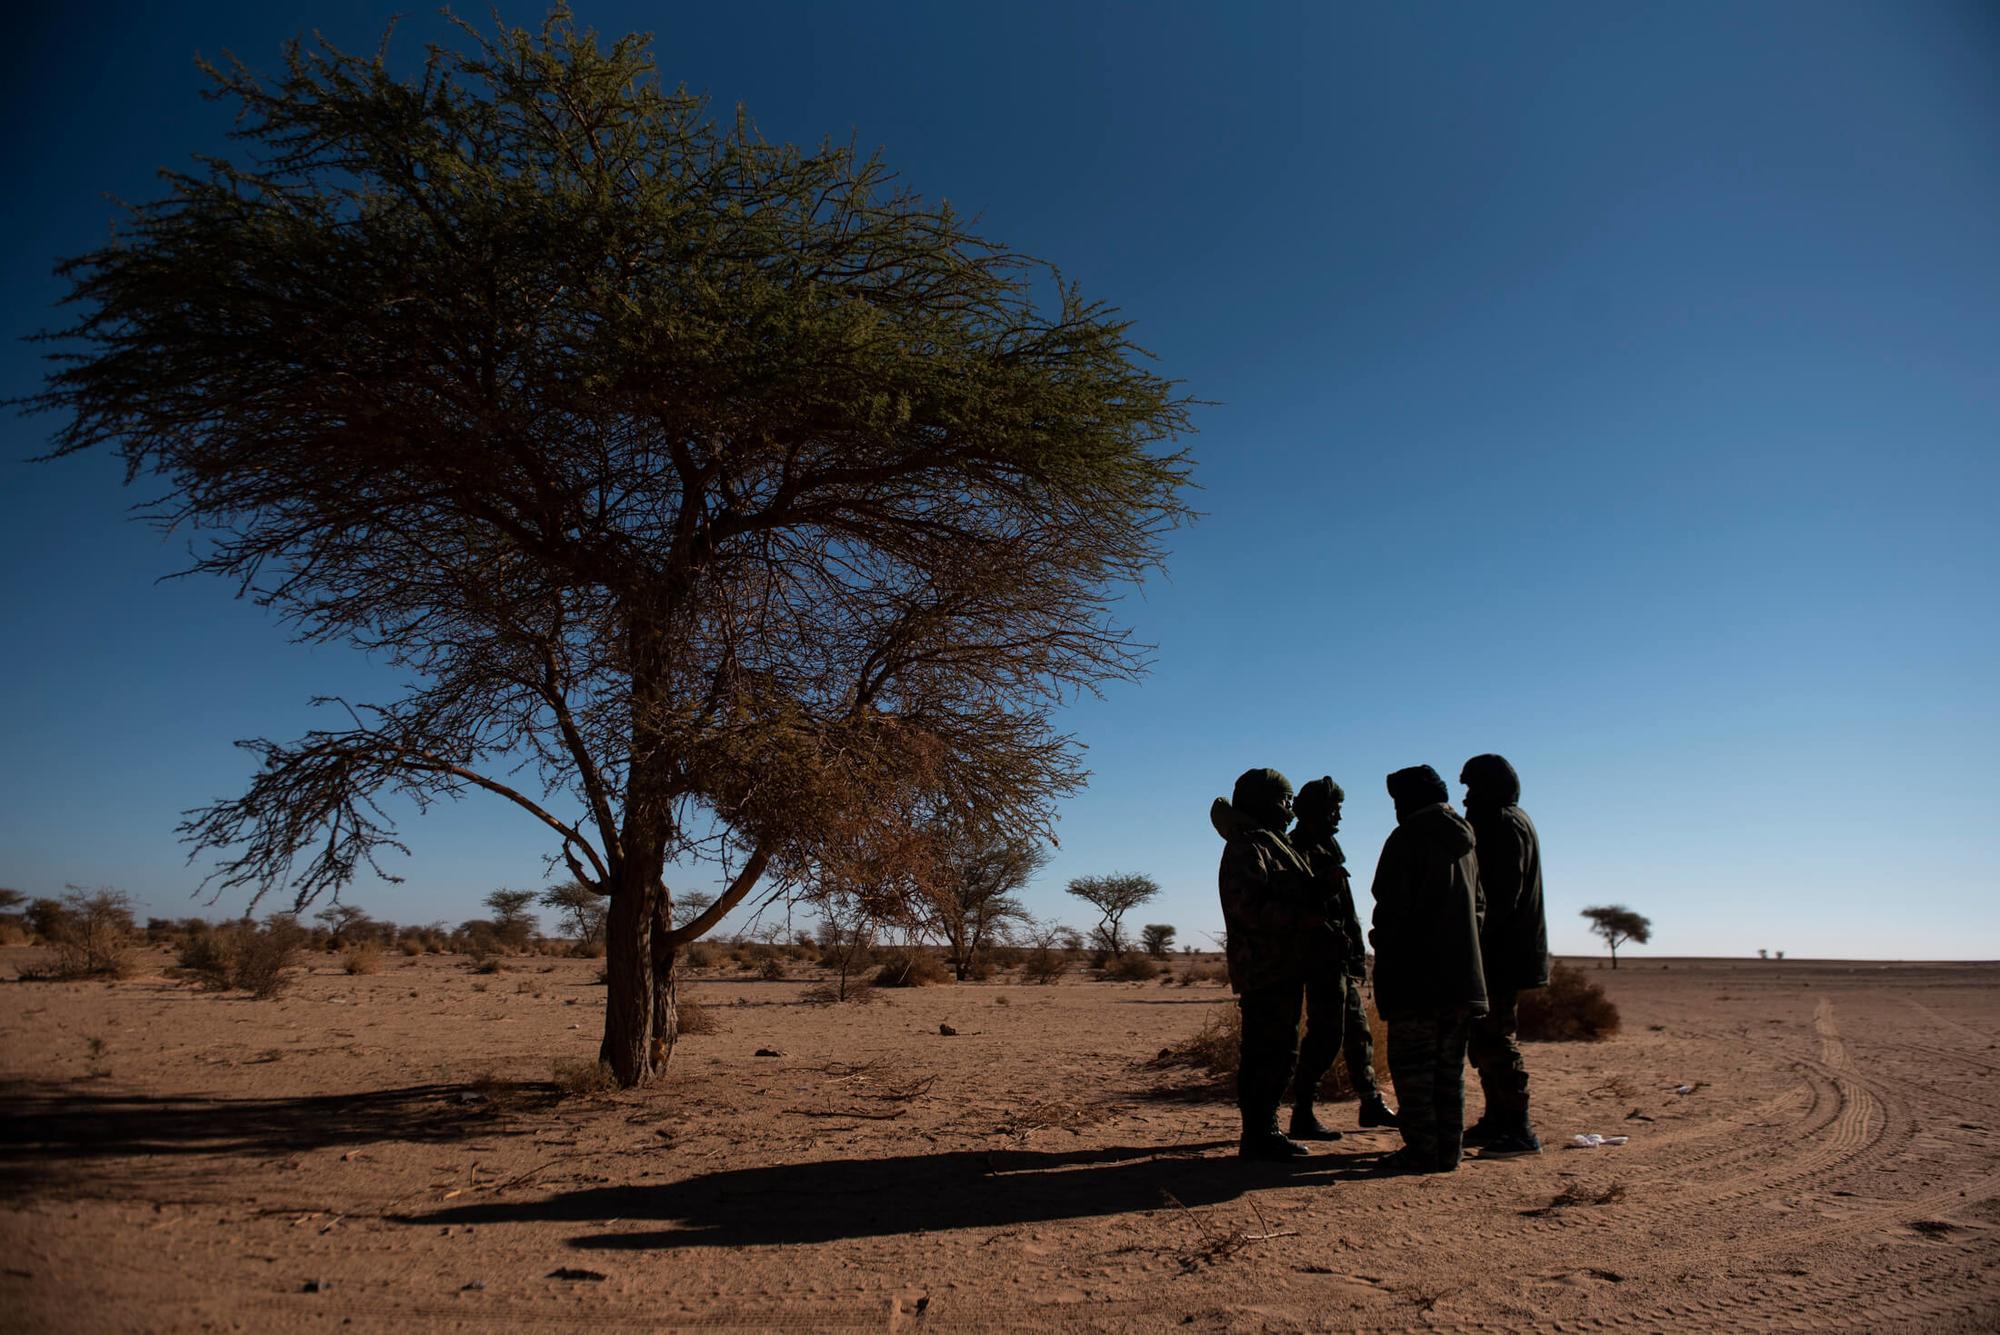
(1570, 1009)
(581, 1077)
(1044, 966)
(700, 955)
(772, 970)
(980, 969)
(912, 968)
(364, 958)
(411, 945)
(691, 1017)
(92, 935)
(209, 959)
(1202, 973)
(859, 991)
(587, 950)
(487, 964)
(259, 956)
(1131, 967)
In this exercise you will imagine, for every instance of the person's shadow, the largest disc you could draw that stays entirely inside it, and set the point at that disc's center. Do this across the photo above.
(848, 1198)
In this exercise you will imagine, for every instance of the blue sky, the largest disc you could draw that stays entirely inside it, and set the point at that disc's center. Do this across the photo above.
(1613, 387)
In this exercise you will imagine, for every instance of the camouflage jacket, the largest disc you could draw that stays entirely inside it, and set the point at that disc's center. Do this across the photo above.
(1349, 949)
(1268, 904)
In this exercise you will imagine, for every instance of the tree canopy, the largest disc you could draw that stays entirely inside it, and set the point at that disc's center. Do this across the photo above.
(724, 503)
(1617, 925)
(1113, 896)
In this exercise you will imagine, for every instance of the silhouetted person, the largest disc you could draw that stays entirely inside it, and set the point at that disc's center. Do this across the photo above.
(1269, 912)
(1336, 1016)
(1513, 946)
(1429, 982)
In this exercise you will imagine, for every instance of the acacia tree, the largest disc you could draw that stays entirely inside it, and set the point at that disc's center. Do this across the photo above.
(750, 507)
(1157, 938)
(581, 909)
(1617, 925)
(1113, 896)
(977, 868)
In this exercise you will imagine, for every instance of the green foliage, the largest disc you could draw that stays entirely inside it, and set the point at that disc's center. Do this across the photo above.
(1113, 897)
(1157, 938)
(762, 507)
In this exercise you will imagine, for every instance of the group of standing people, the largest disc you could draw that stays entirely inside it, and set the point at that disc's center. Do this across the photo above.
(1458, 933)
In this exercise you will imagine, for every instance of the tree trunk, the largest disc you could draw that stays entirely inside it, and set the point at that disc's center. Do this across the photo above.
(628, 976)
(666, 1006)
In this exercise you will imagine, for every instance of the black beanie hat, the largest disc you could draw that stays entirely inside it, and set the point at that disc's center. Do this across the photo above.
(1417, 786)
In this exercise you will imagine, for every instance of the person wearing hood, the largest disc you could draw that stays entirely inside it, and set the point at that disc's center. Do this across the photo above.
(1429, 982)
(1513, 947)
(1270, 914)
(1336, 1016)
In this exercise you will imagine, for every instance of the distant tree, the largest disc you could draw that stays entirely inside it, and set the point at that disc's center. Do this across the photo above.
(1763, 954)
(342, 920)
(975, 871)
(11, 900)
(1157, 938)
(1617, 925)
(512, 922)
(1113, 897)
(1780, 954)
(580, 909)
(692, 905)
(744, 499)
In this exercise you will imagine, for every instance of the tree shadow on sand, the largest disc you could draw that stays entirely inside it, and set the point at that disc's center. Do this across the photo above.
(828, 1200)
(52, 1130)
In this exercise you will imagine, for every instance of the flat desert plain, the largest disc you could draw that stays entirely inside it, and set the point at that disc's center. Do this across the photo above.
(388, 1152)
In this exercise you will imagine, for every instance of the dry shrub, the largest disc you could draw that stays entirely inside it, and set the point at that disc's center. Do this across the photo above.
(208, 959)
(1571, 1008)
(487, 964)
(912, 968)
(584, 1077)
(364, 958)
(92, 935)
(691, 1017)
(1131, 968)
(259, 956)
(1202, 973)
(1044, 966)
(772, 970)
(411, 945)
(587, 950)
(700, 955)
(859, 991)
(980, 969)
(1216, 1048)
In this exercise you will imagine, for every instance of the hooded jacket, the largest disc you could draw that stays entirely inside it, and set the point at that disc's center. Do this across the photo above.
(1514, 942)
(1268, 899)
(1427, 908)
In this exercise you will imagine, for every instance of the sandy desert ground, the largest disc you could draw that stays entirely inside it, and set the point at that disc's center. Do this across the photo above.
(387, 1152)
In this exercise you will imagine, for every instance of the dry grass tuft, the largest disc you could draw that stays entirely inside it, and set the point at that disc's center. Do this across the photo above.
(915, 968)
(1571, 1008)
(1578, 1194)
(364, 958)
(584, 1078)
(691, 1017)
(1216, 1048)
(859, 991)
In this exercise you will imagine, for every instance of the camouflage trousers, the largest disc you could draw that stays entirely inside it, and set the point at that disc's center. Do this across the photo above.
(1427, 1064)
(1496, 1055)
(1270, 1041)
(1336, 1025)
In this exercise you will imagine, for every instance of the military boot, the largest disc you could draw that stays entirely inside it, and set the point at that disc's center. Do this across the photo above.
(1375, 1111)
(1262, 1140)
(1305, 1126)
(1484, 1130)
(1516, 1137)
